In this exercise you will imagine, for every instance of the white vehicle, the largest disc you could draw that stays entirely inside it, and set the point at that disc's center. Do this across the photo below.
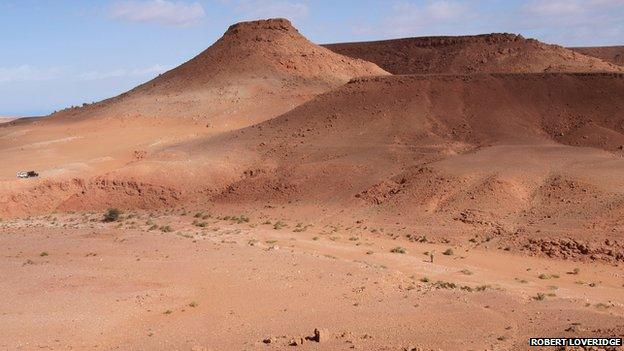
(27, 174)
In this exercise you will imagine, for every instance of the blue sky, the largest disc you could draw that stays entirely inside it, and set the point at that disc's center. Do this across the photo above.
(65, 52)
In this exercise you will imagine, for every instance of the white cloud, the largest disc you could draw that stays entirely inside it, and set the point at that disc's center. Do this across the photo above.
(137, 72)
(443, 10)
(260, 9)
(97, 75)
(550, 8)
(571, 8)
(564, 22)
(166, 12)
(154, 69)
(24, 73)
(575, 22)
(408, 18)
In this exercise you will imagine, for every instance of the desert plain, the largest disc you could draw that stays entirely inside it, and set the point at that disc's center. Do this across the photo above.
(433, 193)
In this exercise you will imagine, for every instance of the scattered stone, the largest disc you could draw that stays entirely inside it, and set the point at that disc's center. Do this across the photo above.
(575, 328)
(321, 335)
(269, 340)
(296, 341)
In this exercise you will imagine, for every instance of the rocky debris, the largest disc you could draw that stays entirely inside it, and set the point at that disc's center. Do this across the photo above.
(296, 341)
(320, 335)
(381, 192)
(139, 154)
(609, 250)
(575, 328)
(270, 340)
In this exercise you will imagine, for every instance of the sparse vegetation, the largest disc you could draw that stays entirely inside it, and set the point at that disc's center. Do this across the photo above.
(239, 219)
(193, 304)
(279, 225)
(301, 228)
(445, 285)
(112, 215)
(43, 254)
(466, 272)
(482, 287)
(448, 252)
(166, 229)
(539, 297)
(200, 224)
(417, 238)
(399, 250)
(575, 271)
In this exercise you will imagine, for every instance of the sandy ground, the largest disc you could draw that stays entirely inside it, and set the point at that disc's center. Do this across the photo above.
(212, 282)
